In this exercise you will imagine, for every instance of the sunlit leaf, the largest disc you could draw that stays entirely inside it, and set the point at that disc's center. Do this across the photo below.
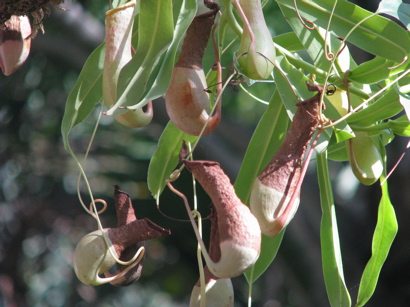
(384, 107)
(265, 142)
(337, 152)
(376, 34)
(371, 71)
(289, 41)
(400, 126)
(314, 41)
(404, 99)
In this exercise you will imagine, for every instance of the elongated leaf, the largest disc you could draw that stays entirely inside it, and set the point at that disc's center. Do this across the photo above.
(156, 28)
(385, 107)
(404, 99)
(291, 83)
(377, 34)
(289, 41)
(400, 126)
(371, 71)
(384, 234)
(87, 92)
(337, 152)
(265, 142)
(375, 70)
(166, 158)
(287, 77)
(269, 249)
(329, 238)
(185, 13)
(314, 41)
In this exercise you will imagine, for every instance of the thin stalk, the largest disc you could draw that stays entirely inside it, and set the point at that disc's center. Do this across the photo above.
(197, 214)
(252, 95)
(191, 218)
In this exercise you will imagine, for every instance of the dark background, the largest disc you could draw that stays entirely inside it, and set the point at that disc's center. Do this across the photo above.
(41, 219)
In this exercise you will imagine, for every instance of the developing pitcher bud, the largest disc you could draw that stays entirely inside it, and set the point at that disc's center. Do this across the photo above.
(365, 159)
(274, 187)
(256, 42)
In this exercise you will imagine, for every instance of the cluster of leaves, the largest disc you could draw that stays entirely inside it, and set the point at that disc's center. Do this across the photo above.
(321, 28)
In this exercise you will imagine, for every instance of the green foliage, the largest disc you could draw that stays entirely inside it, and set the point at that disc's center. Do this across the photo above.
(166, 158)
(329, 239)
(384, 234)
(86, 93)
(320, 29)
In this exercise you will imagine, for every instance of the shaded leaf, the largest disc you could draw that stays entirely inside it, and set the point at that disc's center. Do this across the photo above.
(185, 12)
(166, 158)
(265, 142)
(337, 292)
(384, 234)
(155, 34)
(87, 92)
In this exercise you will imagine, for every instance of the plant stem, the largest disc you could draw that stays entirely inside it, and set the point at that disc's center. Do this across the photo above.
(319, 72)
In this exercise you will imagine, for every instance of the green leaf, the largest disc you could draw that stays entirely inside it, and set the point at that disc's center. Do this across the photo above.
(291, 83)
(159, 84)
(400, 126)
(384, 234)
(372, 71)
(166, 158)
(87, 92)
(396, 8)
(337, 152)
(375, 70)
(269, 249)
(404, 99)
(385, 107)
(342, 131)
(155, 34)
(289, 41)
(337, 292)
(342, 135)
(266, 140)
(376, 34)
(313, 40)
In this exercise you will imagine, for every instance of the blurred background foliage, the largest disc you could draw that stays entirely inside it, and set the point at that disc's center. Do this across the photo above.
(41, 219)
